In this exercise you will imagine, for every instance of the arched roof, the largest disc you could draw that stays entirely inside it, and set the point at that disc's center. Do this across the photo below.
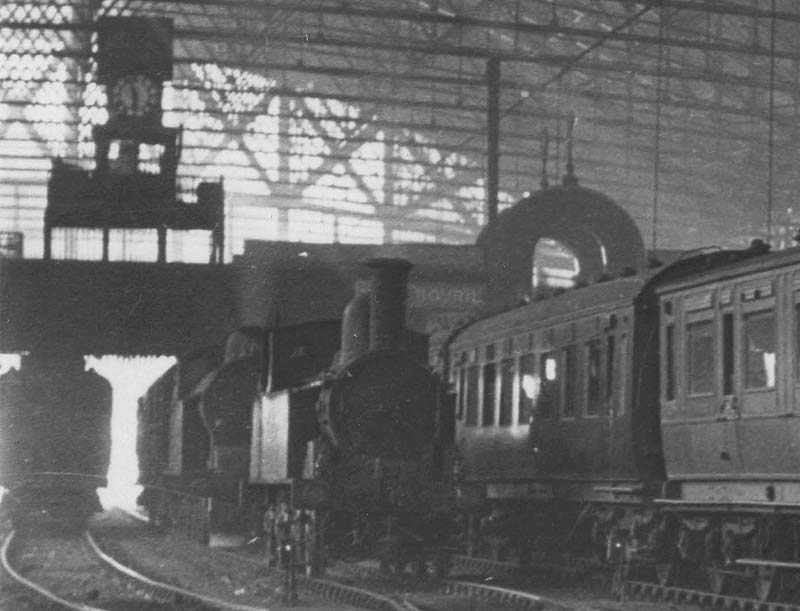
(367, 121)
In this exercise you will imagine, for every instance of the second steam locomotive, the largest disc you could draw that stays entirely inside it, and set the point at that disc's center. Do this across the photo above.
(55, 439)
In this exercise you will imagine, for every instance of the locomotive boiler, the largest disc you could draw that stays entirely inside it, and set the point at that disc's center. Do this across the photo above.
(56, 439)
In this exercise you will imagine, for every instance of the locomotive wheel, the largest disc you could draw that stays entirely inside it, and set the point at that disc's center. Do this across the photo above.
(765, 579)
(665, 573)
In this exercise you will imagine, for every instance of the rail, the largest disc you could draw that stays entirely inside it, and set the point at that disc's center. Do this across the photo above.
(498, 594)
(641, 590)
(165, 587)
(342, 593)
(36, 588)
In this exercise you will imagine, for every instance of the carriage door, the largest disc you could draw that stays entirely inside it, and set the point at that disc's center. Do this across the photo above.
(710, 385)
(766, 442)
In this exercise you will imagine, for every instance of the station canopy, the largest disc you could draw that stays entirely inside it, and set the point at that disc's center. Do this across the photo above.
(372, 121)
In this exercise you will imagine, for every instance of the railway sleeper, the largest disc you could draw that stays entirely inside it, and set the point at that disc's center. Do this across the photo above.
(477, 591)
(348, 594)
(640, 590)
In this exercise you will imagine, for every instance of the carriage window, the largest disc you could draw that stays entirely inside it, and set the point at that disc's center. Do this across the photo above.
(759, 341)
(727, 354)
(528, 387)
(669, 374)
(489, 392)
(506, 391)
(570, 380)
(462, 391)
(610, 346)
(623, 379)
(471, 401)
(547, 404)
(700, 347)
(593, 355)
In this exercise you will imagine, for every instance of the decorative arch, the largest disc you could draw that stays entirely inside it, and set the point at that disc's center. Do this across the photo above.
(585, 221)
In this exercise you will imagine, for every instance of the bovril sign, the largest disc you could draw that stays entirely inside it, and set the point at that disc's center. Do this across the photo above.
(439, 295)
(444, 296)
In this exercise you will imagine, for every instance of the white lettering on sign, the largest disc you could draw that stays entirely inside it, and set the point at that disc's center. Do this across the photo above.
(441, 295)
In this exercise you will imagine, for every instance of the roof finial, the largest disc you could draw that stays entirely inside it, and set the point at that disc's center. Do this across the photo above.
(545, 146)
(570, 178)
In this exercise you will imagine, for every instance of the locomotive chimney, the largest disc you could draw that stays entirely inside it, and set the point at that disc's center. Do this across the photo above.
(355, 328)
(388, 302)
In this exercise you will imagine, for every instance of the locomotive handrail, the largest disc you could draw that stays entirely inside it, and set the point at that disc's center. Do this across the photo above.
(537, 602)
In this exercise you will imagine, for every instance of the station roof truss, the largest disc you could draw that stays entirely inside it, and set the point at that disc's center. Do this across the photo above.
(367, 121)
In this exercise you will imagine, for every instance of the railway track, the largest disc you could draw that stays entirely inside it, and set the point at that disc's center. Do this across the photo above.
(371, 589)
(70, 572)
(446, 595)
(473, 592)
(630, 590)
(672, 595)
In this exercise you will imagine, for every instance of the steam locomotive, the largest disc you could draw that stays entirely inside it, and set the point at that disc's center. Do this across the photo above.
(339, 444)
(646, 421)
(56, 440)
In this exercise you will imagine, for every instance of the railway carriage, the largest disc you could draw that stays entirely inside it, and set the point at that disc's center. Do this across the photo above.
(550, 434)
(647, 421)
(729, 353)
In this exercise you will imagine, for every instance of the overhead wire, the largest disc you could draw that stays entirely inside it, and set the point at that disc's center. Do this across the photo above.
(771, 136)
(657, 143)
(570, 64)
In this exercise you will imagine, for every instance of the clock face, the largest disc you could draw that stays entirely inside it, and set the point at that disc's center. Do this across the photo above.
(135, 96)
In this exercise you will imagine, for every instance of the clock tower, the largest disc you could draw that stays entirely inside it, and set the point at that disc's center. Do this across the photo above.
(134, 59)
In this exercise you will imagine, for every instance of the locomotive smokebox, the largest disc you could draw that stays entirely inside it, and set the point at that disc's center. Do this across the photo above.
(388, 302)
